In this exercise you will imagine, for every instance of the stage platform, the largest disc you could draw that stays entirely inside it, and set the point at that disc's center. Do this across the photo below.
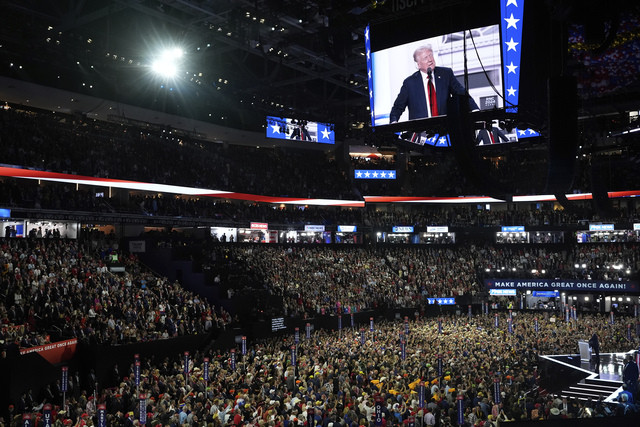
(576, 377)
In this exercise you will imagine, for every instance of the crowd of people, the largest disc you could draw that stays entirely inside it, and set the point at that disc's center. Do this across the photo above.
(72, 144)
(56, 289)
(414, 369)
(33, 141)
(605, 72)
(62, 288)
(472, 216)
(69, 144)
(32, 195)
(587, 262)
(324, 280)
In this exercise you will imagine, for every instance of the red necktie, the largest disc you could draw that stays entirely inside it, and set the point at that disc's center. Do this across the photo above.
(493, 140)
(433, 102)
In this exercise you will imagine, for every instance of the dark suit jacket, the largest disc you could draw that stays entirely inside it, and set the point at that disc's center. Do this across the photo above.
(412, 94)
(483, 137)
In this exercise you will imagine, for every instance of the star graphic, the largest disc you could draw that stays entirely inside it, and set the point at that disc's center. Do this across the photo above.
(366, 174)
(392, 174)
(368, 54)
(511, 22)
(531, 131)
(369, 73)
(442, 140)
(383, 174)
(511, 91)
(276, 128)
(325, 133)
(511, 68)
(358, 174)
(432, 139)
(513, 2)
(366, 32)
(511, 45)
(521, 132)
(375, 174)
(370, 94)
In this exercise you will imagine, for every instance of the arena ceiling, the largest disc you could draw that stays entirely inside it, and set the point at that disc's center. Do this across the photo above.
(271, 56)
(242, 58)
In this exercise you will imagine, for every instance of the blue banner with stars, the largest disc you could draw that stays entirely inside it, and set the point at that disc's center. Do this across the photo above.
(442, 301)
(374, 174)
(511, 12)
(526, 133)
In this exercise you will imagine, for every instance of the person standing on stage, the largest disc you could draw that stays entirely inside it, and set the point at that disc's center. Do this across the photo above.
(595, 348)
(630, 376)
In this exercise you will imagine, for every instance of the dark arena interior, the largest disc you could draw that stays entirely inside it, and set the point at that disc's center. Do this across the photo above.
(319, 213)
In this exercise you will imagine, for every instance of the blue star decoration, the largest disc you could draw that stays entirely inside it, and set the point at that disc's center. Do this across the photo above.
(438, 140)
(276, 127)
(442, 301)
(374, 174)
(367, 48)
(326, 135)
(443, 141)
(526, 133)
(511, 12)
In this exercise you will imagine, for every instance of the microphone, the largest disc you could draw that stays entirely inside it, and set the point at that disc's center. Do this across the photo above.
(429, 71)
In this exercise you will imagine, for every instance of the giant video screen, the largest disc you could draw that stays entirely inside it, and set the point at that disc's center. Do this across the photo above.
(300, 130)
(444, 54)
(401, 75)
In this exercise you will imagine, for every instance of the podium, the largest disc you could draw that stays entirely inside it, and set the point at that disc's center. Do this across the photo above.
(585, 351)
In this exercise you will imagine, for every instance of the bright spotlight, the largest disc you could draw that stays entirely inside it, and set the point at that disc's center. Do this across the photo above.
(168, 62)
(164, 68)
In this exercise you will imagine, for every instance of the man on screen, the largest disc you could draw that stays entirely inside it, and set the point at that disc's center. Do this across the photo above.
(427, 90)
(492, 133)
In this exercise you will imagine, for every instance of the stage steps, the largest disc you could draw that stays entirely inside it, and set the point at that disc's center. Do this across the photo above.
(592, 388)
